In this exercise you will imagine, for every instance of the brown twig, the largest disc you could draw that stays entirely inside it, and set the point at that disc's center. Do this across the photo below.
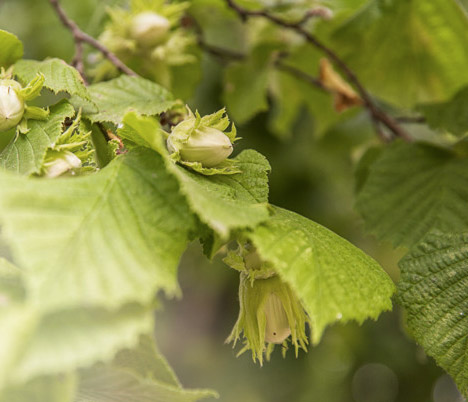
(377, 115)
(77, 61)
(220, 52)
(301, 75)
(317, 12)
(81, 37)
(411, 119)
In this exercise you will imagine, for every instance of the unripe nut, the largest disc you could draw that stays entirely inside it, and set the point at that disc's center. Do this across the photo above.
(11, 104)
(149, 28)
(206, 145)
(277, 324)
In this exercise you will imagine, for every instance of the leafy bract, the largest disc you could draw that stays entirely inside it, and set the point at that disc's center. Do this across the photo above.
(138, 374)
(26, 153)
(222, 202)
(59, 76)
(407, 51)
(335, 280)
(449, 116)
(105, 239)
(115, 97)
(434, 290)
(412, 189)
(12, 48)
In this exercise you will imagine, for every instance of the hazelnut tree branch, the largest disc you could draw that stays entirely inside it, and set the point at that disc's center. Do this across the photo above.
(81, 37)
(378, 115)
(411, 119)
(230, 55)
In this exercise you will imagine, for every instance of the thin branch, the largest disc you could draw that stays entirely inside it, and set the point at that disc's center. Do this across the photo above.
(378, 115)
(229, 55)
(77, 61)
(220, 52)
(411, 119)
(280, 65)
(232, 55)
(317, 12)
(81, 37)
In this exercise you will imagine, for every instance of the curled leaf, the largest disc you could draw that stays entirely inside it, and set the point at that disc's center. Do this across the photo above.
(344, 96)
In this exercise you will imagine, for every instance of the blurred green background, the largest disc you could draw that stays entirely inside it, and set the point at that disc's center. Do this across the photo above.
(312, 175)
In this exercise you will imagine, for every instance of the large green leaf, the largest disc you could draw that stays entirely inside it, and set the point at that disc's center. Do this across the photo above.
(105, 239)
(70, 339)
(434, 290)
(449, 116)
(12, 48)
(112, 384)
(59, 76)
(138, 374)
(34, 345)
(115, 97)
(145, 360)
(223, 202)
(413, 188)
(227, 202)
(407, 51)
(11, 283)
(17, 323)
(26, 153)
(335, 280)
(43, 389)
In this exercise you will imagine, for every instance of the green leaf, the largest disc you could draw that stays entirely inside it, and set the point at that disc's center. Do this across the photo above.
(449, 116)
(112, 384)
(412, 189)
(433, 289)
(12, 48)
(59, 76)
(104, 150)
(17, 324)
(142, 131)
(11, 283)
(69, 339)
(26, 154)
(222, 202)
(104, 239)
(51, 389)
(145, 360)
(407, 52)
(115, 97)
(226, 203)
(291, 94)
(361, 171)
(335, 280)
(246, 84)
(34, 344)
(141, 374)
